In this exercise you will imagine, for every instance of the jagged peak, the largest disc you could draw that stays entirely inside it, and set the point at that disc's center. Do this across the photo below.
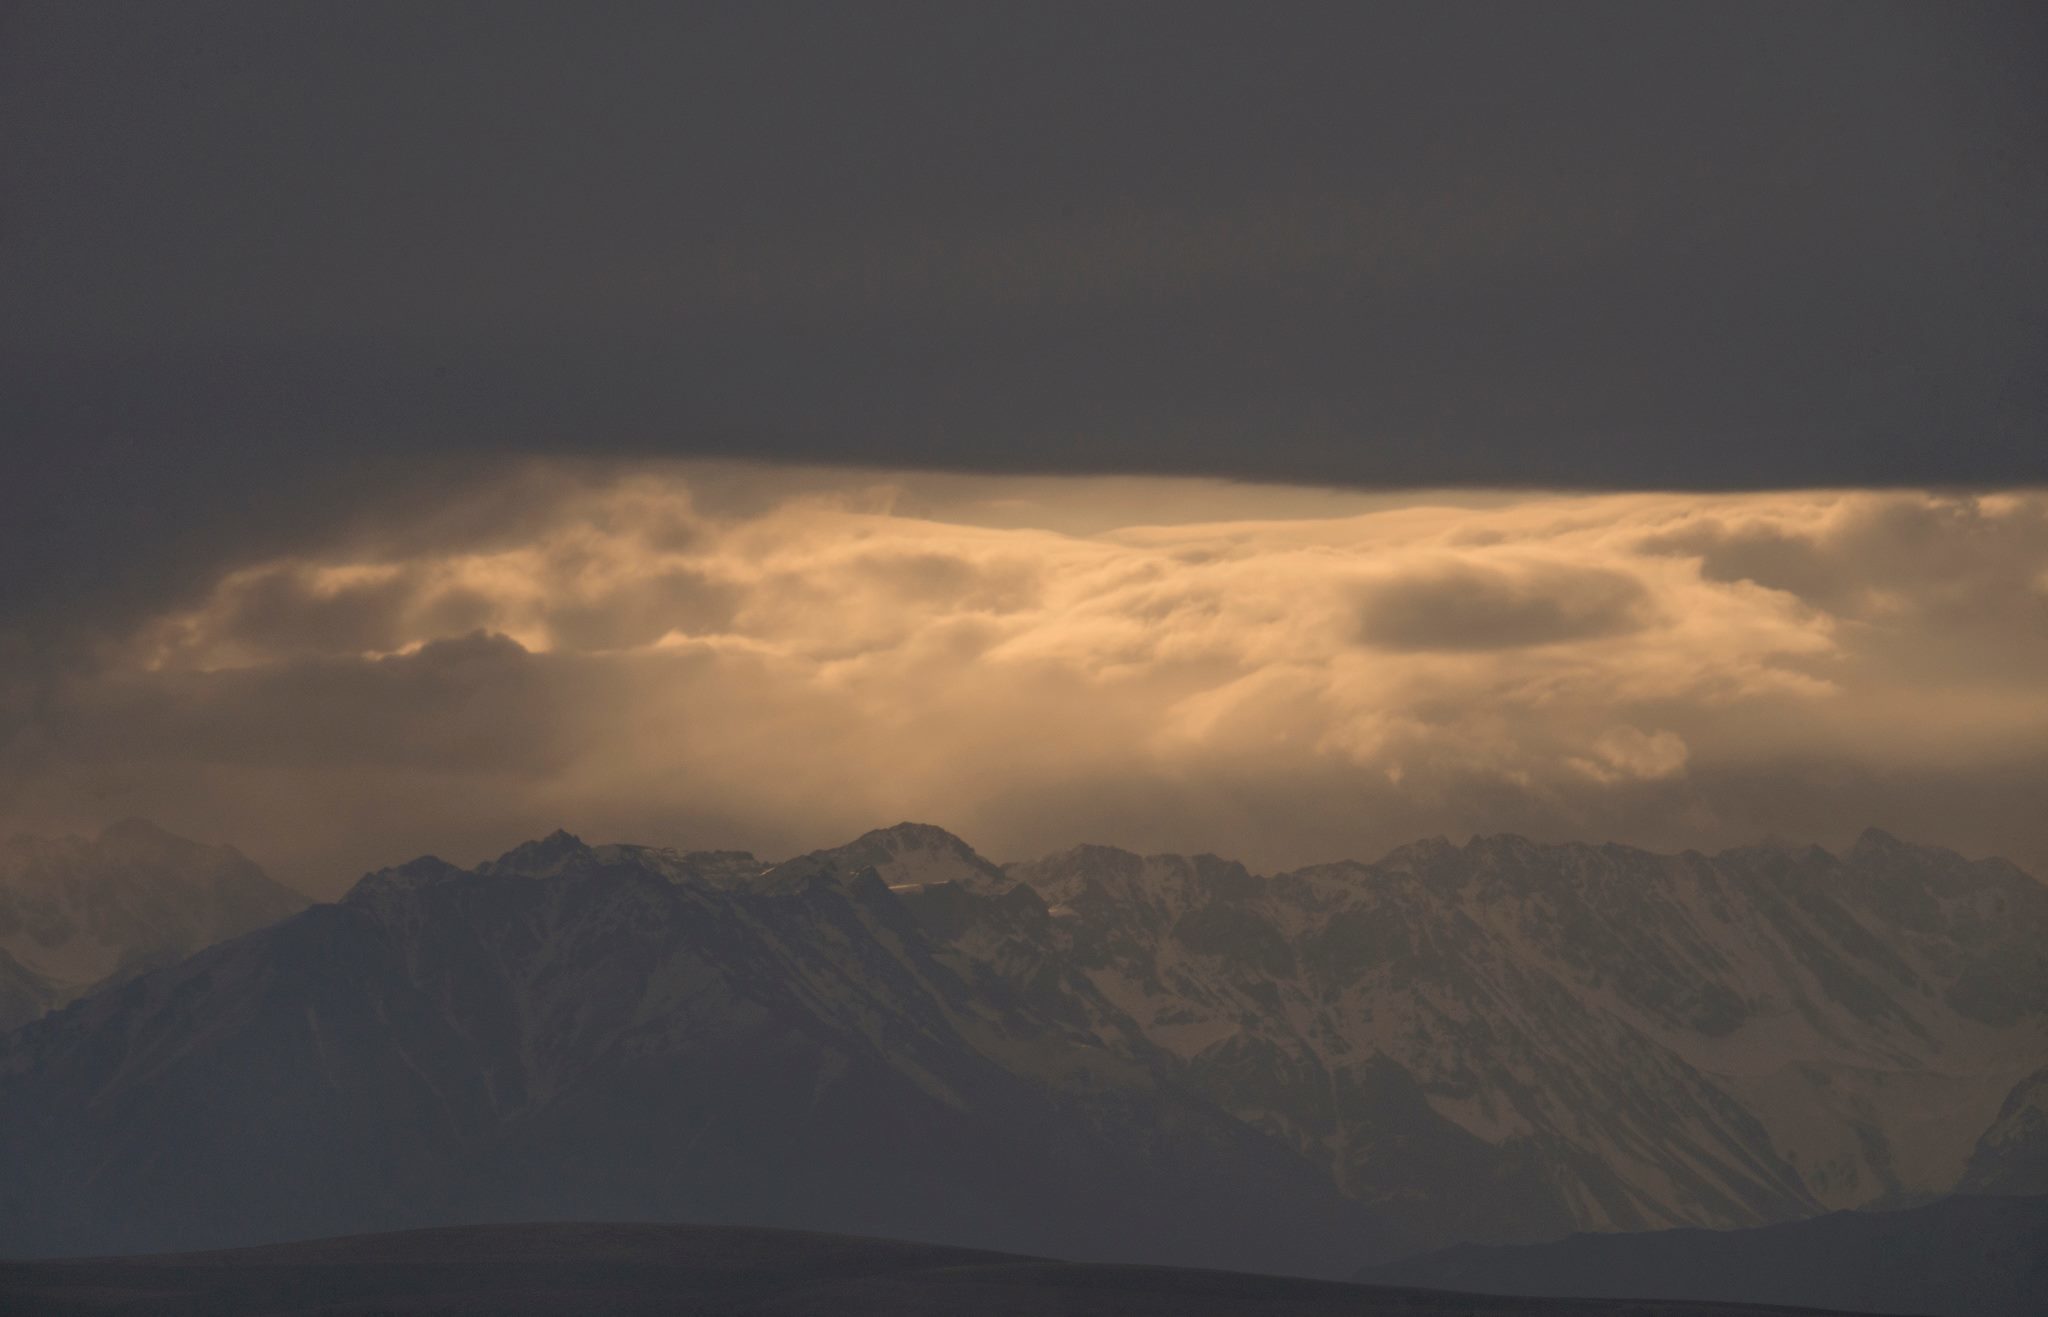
(1501, 845)
(903, 855)
(559, 842)
(1876, 847)
(541, 858)
(1876, 841)
(721, 857)
(1781, 848)
(1093, 854)
(425, 871)
(1211, 867)
(1425, 850)
(907, 835)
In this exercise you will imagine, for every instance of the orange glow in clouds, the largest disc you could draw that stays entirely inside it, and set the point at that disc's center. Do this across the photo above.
(715, 655)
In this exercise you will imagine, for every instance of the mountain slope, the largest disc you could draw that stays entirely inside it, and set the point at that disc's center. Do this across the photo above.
(2012, 1155)
(78, 914)
(1962, 1257)
(1506, 1040)
(608, 1042)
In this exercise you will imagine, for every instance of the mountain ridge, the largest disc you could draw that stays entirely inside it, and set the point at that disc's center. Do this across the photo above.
(1497, 1041)
(608, 1041)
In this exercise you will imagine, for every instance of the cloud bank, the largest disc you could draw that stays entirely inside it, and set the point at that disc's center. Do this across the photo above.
(708, 655)
(263, 261)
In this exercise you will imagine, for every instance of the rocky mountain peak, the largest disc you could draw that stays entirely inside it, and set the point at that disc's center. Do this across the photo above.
(1086, 862)
(376, 887)
(1876, 841)
(906, 855)
(909, 836)
(1503, 848)
(1422, 857)
(555, 853)
(1876, 849)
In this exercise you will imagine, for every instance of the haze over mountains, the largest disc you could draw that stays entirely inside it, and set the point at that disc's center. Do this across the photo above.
(77, 915)
(1092, 1055)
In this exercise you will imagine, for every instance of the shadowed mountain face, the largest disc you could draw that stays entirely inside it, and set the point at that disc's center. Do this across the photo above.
(2012, 1157)
(79, 915)
(24, 994)
(1508, 1040)
(612, 1042)
(1096, 1055)
(1962, 1257)
(620, 1269)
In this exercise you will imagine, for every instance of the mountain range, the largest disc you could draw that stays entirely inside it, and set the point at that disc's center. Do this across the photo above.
(1094, 1055)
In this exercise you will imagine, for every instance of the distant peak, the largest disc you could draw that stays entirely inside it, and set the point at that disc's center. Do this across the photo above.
(137, 830)
(906, 835)
(1095, 850)
(540, 858)
(373, 888)
(1876, 841)
(1087, 862)
(1424, 849)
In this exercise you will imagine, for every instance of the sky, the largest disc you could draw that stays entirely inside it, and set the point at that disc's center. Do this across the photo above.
(1282, 430)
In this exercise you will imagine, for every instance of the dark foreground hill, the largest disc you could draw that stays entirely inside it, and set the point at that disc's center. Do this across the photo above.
(1965, 1257)
(712, 1271)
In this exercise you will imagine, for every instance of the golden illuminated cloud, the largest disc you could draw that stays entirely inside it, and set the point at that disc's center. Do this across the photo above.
(716, 655)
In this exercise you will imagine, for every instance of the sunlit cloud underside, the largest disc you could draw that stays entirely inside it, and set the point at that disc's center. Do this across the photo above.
(713, 656)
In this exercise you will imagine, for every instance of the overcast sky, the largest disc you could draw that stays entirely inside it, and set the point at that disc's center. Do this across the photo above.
(278, 281)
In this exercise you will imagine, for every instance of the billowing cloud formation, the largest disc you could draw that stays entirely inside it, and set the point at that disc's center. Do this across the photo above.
(715, 656)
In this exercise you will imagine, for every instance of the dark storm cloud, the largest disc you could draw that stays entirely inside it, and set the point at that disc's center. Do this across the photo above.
(264, 264)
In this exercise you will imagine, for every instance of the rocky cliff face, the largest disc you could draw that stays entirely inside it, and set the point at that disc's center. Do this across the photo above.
(2012, 1155)
(1591, 1037)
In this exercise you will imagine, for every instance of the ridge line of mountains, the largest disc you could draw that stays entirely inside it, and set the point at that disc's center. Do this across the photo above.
(1091, 1055)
